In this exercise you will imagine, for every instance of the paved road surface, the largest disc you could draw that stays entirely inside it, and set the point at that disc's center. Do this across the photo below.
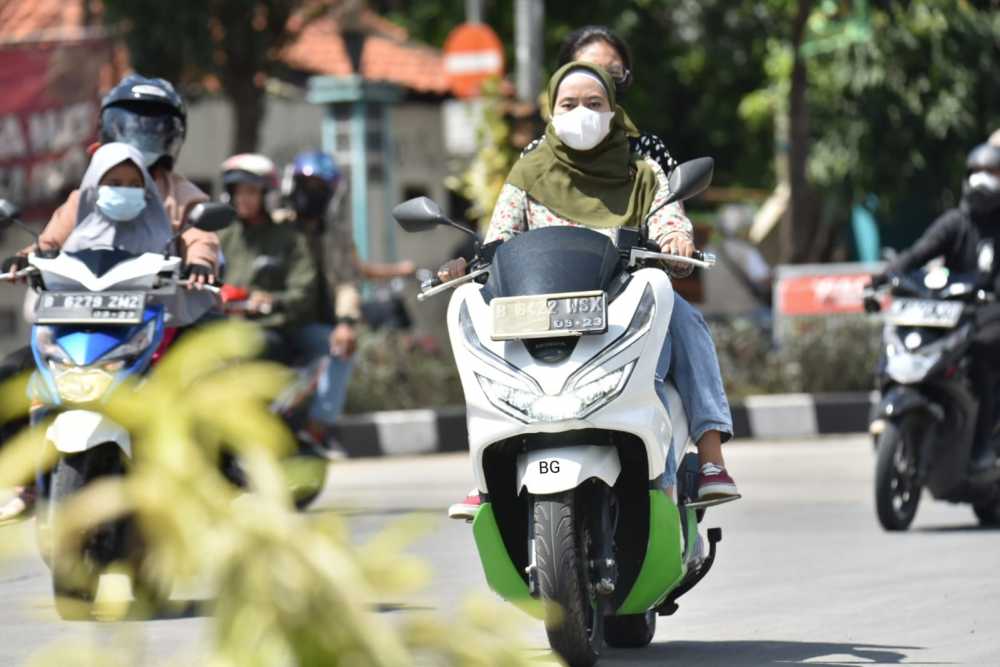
(804, 575)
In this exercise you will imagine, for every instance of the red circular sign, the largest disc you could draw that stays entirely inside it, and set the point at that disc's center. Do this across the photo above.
(472, 54)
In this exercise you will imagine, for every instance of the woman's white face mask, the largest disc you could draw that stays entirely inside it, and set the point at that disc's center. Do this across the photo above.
(581, 128)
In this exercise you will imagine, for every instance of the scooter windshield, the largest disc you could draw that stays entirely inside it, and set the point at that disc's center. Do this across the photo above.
(552, 260)
(102, 260)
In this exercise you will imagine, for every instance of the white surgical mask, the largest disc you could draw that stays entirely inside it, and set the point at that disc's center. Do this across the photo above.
(119, 203)
(582, 128)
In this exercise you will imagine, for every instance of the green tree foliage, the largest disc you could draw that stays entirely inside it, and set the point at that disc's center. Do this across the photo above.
(694, 61)
(290, 588)
(234, 41)
(895, 115)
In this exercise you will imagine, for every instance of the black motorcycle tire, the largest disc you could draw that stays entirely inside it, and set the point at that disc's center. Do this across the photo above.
(888, 482)
(76, 568)
(988, 513)
(572, 626)
(630, 631)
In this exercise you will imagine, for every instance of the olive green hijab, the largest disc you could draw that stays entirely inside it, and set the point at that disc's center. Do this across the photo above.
(603, 187)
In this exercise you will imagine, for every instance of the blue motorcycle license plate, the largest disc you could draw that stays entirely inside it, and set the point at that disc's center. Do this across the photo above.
(124, 308)
(549, 315)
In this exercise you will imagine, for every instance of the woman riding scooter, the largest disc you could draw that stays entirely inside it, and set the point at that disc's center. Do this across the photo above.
(585, 174)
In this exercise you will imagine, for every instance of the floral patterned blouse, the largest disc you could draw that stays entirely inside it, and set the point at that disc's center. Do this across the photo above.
(516, 212)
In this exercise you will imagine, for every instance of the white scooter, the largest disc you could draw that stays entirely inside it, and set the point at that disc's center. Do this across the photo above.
(556, 334)
(100, 318)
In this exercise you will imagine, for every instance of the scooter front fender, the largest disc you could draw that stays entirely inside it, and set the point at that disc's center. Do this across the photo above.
(553, 470)
(77, 431)
(902, 399)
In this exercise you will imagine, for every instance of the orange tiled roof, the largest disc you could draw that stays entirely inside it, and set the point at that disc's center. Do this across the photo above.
(386, 56)
(41, 19)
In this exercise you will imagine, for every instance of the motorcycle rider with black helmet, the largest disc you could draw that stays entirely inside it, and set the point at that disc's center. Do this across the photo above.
(146, 113)
(959, 235)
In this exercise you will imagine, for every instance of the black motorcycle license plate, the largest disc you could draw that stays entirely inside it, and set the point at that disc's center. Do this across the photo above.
(549, 315)
(124, 308)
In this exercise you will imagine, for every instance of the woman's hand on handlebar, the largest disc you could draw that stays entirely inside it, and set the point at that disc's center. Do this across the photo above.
(452, 269)
(12, 265)
(199, 275)
(677, 244)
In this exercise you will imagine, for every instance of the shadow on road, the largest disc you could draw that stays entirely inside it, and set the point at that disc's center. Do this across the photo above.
(963, 528)
(747, 653)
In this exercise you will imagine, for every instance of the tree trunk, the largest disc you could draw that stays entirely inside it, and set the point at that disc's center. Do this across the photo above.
(801, 221)
(248, 113)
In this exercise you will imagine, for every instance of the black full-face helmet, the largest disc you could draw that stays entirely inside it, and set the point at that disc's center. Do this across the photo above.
(148, 114)
(981, 189)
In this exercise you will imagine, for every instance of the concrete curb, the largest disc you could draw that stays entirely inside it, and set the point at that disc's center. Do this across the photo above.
(774, 416)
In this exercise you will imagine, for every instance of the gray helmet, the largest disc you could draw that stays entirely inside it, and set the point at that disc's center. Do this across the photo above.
(981, 189)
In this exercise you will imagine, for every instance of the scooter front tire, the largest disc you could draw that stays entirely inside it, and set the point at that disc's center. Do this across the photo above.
(571, 622)
(896, 495)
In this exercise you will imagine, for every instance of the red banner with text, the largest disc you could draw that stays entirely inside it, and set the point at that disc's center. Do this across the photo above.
(48, 117)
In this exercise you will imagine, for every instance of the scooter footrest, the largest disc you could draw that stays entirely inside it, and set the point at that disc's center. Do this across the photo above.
(711, 502)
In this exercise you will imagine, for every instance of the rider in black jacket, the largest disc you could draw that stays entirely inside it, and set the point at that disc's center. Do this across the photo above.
(961, 236)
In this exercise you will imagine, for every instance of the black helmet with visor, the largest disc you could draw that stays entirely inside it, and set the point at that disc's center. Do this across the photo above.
(146, 113)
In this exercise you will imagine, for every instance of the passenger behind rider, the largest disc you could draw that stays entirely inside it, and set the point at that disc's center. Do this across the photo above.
(958, 236)
(312, 187)
(587, 150)
(146, 113)
(118, 206)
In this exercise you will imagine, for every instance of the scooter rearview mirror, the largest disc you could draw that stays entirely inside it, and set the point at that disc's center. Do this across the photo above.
(418, 214)
(212, 216)
(421, 214)
(690, 178)
(8, 213)
(687, 180)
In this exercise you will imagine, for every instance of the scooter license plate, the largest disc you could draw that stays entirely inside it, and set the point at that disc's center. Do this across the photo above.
(549, 315)
(125, 308)
(924, 313)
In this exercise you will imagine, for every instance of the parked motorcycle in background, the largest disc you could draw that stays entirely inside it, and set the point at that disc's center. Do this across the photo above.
(556, 334)
(100, 318)
(925, 425)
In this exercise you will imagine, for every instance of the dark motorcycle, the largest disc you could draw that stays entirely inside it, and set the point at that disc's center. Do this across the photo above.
(925, 425)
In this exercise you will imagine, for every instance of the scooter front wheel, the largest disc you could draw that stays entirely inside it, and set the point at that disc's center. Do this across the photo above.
(897, 489)
(572, 620)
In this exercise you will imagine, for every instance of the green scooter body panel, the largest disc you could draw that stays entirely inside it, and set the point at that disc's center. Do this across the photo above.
(663, 567)
(501, 575)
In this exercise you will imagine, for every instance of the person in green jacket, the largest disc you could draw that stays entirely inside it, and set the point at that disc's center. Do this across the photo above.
(271, 261)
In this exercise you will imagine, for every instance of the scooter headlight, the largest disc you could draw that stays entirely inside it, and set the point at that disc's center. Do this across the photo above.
(910, 368)
(574, 404)
(78, 384)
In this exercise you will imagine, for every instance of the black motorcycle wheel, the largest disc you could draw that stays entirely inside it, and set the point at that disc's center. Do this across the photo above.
(988, 513)
(77, 562)
(572, 621)
(631, 631)
(897, 491)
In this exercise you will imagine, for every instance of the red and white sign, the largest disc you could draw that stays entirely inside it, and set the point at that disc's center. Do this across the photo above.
(472, 54)
(48, 117)
(829, 294)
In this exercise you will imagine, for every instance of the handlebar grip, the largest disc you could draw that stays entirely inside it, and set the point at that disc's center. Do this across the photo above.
(430, 283)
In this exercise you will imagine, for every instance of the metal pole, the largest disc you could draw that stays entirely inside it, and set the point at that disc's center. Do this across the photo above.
(390, 196)
(359, 179)
(473, 11)
(529, 23)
